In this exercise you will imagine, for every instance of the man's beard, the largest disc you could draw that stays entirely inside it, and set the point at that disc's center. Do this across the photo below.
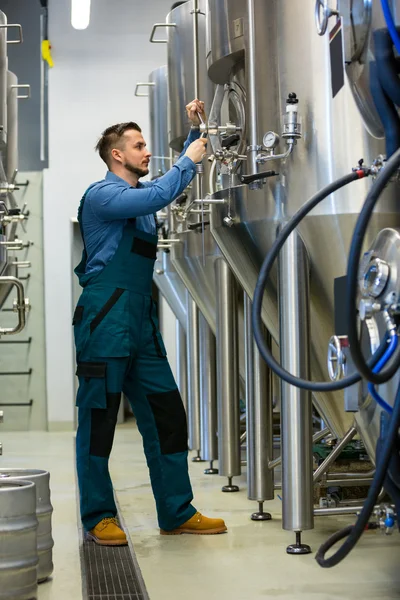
(136, 170)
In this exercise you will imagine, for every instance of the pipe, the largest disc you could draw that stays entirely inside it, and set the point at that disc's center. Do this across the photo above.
(340, 510)
(260, 479)
(208, 421)
(332, 456)
(181, 363)
(196, 48)
(252, 96)
(193, 373)
(296, 424)
(317, 437)
(365, 481)
(227, 372)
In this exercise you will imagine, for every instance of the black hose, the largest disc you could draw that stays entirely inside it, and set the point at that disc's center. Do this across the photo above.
(352, 277)
(261, 283)
(354, 532)
(387, 112)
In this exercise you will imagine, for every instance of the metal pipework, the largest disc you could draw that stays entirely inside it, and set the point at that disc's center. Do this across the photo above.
(252, 96)
(196, 48)
(316, 438)
(227, 374)
(259, 426)
(263, 158)
(208, 394)
(332, 456)
(296, 425)
(181, 363)
(21, 306)
(193, 360)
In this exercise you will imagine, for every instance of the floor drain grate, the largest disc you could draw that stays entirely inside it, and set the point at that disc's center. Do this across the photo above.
(110, 573)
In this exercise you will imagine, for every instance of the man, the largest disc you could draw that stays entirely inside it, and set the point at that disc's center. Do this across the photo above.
(118, 344)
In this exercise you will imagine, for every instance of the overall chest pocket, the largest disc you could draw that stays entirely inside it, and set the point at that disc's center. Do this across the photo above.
(108, 324)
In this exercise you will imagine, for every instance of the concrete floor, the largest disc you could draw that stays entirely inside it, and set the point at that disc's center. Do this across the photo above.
(248, 563)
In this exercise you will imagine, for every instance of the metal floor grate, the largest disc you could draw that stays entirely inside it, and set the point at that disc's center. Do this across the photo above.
(110, 573)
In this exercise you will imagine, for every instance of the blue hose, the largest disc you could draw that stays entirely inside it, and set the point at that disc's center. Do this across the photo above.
(383, 361)
(391, 24)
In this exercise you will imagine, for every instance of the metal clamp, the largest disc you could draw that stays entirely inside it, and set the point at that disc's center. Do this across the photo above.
(153, 31)
(21, 306)
(138, 85)
(322, 21)
(336, 358)
(24, 86)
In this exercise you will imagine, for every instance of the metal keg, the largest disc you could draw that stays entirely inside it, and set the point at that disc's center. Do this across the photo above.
(44, 511)
(18, 540)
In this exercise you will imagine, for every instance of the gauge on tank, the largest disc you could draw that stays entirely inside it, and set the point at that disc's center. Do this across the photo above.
(271, 140)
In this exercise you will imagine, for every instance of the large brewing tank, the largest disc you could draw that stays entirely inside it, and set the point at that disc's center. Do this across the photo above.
(295, 59)
(360, 19)
(181, 68)
(165, 276)
(158, 106)
(12, 120)
(3, 81)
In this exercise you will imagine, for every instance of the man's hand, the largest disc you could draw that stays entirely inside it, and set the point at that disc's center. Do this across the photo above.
(197, 150)
(193, 110)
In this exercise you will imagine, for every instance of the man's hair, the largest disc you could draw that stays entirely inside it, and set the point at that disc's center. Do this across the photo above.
(111, 137)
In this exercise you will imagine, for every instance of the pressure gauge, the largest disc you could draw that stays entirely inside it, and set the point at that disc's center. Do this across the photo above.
(271, 140)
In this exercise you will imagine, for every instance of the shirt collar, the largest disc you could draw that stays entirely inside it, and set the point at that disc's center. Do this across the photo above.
(115, 179)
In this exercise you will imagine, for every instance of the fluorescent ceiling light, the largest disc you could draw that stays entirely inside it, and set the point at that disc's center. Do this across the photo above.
(80, 13)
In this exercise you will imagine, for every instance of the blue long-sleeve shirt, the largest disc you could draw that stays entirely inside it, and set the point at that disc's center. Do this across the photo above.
(109, 203)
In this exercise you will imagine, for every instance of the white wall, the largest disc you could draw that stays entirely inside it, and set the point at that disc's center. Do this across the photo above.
(90, 87)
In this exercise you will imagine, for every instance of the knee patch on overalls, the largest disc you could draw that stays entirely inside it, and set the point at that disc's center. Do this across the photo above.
(170, 417)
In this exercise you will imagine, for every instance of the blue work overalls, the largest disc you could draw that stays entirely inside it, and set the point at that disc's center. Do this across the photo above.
(119, 349)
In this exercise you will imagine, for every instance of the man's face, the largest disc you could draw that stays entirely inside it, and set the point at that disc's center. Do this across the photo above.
(133, 154)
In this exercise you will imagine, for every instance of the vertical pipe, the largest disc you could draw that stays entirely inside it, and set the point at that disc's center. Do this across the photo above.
(193, 373)
(260, 479)
(208, 389)
(181, 363)
(296, 427)
(252, 95)
(196, 48)
(227, 372)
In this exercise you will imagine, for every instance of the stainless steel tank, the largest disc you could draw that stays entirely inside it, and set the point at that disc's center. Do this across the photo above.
(295, 59)
(44, 511)
(12, 120)
(3, 81)
(158, 112)
(18, 541)
(181, 60)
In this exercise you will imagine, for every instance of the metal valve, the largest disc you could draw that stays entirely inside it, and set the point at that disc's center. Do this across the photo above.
(336, 358)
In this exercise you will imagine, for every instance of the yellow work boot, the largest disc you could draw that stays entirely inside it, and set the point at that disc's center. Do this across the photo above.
(199, 525)
(107, 533)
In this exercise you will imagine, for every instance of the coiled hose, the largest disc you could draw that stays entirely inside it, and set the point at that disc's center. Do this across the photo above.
(260, 287)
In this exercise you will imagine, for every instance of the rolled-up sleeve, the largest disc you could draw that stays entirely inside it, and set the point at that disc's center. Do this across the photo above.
(111, 201)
